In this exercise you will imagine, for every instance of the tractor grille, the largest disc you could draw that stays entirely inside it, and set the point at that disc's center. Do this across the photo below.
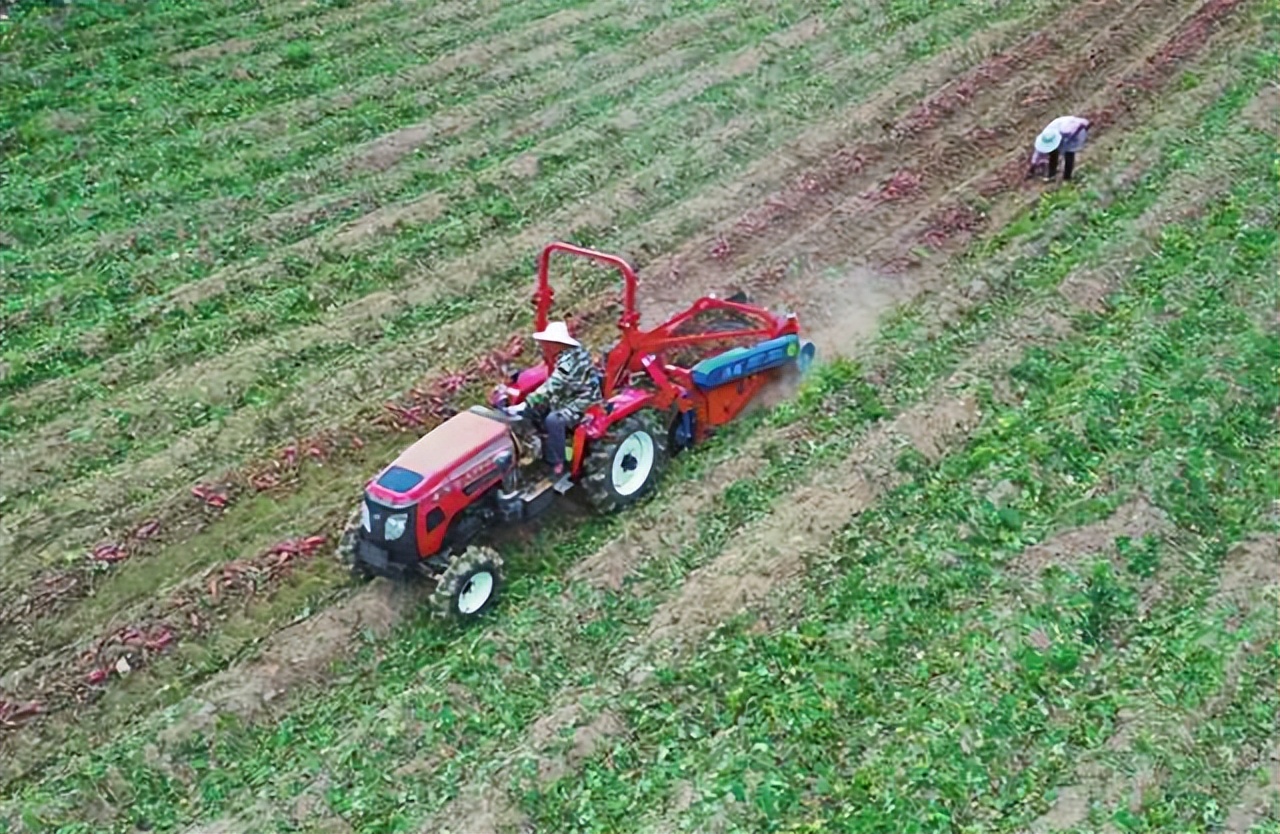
(378, 514)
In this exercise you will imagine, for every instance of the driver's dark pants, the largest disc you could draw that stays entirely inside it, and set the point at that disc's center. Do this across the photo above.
(557, 424)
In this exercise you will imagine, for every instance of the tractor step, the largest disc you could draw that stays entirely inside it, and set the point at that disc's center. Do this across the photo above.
(535, 490)
(531, 492)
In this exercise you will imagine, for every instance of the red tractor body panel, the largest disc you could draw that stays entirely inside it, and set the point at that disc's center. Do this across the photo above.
(449, 457)
(625, 402)
(453, 463)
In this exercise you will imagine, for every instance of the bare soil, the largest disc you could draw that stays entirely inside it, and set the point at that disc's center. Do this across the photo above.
(1258, 802)
(651, 536)
(556, 758)
(1250, 571)
(387, 151)
(875, 194)
(479, 809)
(1264, 111)
(1134, 520)
(298, 655)
(202, 54)
(390, 218)
(1070, 808)
(775, 550)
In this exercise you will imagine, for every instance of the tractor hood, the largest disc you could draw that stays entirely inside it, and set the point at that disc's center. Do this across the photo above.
(450, 456)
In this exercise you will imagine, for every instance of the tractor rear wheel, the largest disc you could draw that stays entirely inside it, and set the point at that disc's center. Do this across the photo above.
(346, 551)
(626, 464)
(470, 585)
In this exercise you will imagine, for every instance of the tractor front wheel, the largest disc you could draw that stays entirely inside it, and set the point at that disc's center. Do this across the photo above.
(347, 548)
(626, 464)
(469, 586)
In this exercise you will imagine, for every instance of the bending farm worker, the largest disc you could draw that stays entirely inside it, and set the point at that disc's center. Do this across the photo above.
(572, 387)
(1063, 136)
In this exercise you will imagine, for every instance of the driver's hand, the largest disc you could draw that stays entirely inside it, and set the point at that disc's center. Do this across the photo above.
(517, 409)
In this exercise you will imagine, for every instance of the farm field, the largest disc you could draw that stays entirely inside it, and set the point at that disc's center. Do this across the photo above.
(1008, 560)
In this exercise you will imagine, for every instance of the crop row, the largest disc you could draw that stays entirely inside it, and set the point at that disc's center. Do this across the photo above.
(935, 241)
(813, 403)
(519, 90)
(275, 298)
(450, 310)
(109, 33)
(205, 100)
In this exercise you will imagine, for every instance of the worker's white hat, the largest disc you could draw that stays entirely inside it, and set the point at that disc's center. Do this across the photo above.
(557, 331)
(1048, 140)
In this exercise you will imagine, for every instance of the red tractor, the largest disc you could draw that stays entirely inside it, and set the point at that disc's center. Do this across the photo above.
(664, 390)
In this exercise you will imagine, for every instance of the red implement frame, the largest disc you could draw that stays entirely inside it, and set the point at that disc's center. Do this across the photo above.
(629, 354)
(644, 352)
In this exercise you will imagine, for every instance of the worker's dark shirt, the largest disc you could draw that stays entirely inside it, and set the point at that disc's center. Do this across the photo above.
(574, 384)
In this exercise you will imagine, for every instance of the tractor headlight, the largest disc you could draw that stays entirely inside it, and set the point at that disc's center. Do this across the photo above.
(395, 526)
(364, 517)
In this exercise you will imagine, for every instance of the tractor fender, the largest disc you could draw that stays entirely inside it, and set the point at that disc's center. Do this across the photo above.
(618, 407)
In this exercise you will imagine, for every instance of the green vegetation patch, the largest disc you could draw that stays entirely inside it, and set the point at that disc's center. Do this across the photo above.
(906, 595)
(923, 686)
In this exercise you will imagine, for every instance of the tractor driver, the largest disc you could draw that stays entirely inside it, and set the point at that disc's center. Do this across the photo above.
(572, 387)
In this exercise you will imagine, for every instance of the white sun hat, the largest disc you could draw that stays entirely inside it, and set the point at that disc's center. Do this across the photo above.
(557, 331)
(1048, 140)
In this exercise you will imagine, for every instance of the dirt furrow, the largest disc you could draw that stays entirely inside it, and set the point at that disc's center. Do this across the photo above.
(346, 240)
(895, 176)
(359, 24)
(484, 261)
(297, 655)
(774, 551)
(88, 55)
(267, 129)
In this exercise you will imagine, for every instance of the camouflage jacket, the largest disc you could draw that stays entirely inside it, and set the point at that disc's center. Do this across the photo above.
(574, 383)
